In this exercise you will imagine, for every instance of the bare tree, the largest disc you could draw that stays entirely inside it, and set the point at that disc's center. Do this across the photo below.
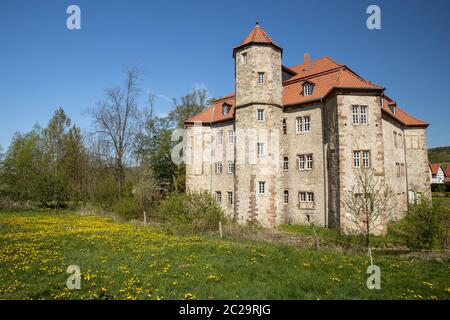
(368, 202)
(116, 118)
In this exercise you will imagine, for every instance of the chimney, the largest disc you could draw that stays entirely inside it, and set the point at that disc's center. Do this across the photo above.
(306, 58)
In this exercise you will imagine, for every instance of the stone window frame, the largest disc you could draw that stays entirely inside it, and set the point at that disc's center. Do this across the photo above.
(219, 196)
(261, 78)
(244, 57)
(303, 162)
(286, 197)
(260, 115)
(230, 136)
(258, 145)
(229, 198)
(219, 167)
(306, 123)
(219, 137)
(284, 126)
(230, 167)
(262, 190)
(363, 115)
(285, 163)
(309, 201)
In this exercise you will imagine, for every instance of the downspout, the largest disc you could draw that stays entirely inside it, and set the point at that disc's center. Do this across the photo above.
(406, 167)
(210, 151)
(325, 165)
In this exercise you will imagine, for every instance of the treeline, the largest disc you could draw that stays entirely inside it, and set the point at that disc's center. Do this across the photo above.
(122, 163)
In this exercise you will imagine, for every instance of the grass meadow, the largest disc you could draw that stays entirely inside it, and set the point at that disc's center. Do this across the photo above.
(126, 261)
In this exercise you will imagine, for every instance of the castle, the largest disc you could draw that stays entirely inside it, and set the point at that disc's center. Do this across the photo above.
(284, 146)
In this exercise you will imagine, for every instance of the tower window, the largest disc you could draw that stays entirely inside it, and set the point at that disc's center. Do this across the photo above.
(307, 89)
(286, 164)
(286, 197)
(244, 58)
(260, 77)
(262, 187)
(284, 126)
(260, 115)
(230, 167)
(260, 148)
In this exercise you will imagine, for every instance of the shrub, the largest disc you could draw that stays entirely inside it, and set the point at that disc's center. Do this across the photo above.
(426, 225)
(190, 212)
(127, 208)
(105, 192)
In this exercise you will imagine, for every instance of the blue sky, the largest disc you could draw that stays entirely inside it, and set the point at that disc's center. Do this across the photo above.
(183, 45)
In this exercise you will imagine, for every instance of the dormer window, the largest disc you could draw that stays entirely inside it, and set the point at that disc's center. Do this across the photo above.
(393, 108)
(307, 89)
(225, 108)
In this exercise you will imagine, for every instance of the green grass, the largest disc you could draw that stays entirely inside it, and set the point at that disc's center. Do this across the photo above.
(392, 239)
(125, 261)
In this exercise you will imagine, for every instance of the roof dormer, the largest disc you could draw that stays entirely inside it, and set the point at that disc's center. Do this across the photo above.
(307, 88)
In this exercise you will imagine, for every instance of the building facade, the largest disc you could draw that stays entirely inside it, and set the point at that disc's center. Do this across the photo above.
(284, 147)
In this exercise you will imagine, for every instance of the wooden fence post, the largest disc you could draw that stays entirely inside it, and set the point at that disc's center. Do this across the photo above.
(145, 218)
(220, 229)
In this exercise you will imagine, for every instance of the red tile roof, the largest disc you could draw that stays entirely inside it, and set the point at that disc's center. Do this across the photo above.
(324, 73)
(400, 114)
(434, 167)
(447, 171)
(257, 35)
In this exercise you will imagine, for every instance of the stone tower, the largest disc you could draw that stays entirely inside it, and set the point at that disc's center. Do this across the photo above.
(258, 123)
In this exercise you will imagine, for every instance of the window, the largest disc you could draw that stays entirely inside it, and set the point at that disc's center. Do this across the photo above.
(230, 136)
(260, 115)
(225, 108)
(302, 197)
(395, 139)
(262, 187)
(309, 161)
(286, 163)
(366, 159)
(260, 77)
(359, 115)
(260, 148)
(301, 162)
(230, 166)
(355, 115)
(219, 196)
(393, 109)
(397, 166)
(305, 161)
(307, 89)
(306, 197)
(356, 159)
(219, 137)
(229, 198)
(365, 155)
(402, 169)
(244, 58)
(363, 115)
(219, 167)
(303, 124)
(286, 197)
(284, 126)
(306, 124)
(400, 141)
(299, 124)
